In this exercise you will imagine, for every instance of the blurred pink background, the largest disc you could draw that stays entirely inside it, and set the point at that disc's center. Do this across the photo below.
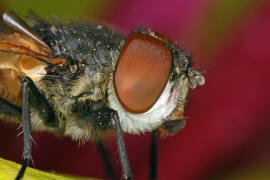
(227, 135)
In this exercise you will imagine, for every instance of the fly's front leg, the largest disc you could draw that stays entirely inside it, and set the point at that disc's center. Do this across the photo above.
(102, 117)
(153, 174)
(26, 124)
(121, 148)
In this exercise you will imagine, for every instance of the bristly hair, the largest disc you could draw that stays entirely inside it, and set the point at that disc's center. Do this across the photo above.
(79, 42)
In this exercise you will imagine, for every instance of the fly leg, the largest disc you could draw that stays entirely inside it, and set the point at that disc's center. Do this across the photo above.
(127, 175)
(26, 124)
(105, 157)
(104, 116)
(153, 174)
(40, 105)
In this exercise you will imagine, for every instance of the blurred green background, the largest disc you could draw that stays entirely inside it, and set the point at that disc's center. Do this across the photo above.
(63, 9)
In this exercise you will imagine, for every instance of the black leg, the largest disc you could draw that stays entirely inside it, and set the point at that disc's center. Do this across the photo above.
(127, 175)
(22, 170)
(105, 157)
(27, 138)
(154, 156)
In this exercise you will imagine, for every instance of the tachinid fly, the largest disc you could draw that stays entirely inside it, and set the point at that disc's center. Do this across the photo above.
(82, 79)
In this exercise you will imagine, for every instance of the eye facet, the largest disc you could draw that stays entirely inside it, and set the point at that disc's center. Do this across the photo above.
(142, 72)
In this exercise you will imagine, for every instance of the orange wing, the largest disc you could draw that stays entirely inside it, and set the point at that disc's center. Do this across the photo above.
(20, 55)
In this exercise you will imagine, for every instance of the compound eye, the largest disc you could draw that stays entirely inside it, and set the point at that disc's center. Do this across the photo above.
(142, 72)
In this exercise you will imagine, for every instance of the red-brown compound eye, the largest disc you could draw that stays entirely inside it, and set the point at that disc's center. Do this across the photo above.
(142, 72)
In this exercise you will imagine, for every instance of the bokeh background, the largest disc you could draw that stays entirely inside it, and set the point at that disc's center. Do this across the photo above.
(227, 135)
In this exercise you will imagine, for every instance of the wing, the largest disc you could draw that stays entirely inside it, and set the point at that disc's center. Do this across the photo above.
(22, 53)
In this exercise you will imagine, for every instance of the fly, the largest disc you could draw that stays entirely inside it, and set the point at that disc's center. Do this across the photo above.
(82, 79)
